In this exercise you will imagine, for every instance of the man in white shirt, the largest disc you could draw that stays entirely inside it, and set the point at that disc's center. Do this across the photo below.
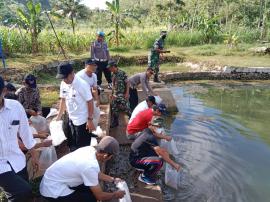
(75, 177)
(13, 173)
(146, 104)
(89, 76)
(77, 99)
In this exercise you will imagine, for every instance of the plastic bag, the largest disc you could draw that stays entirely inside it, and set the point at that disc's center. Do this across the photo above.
(47, 157)
(39, 123)
(158, 99)
(173, 147)
(57, 133)
(171, 176)
(98, 132)
(123, 187)
(96, 115)
(53, 112)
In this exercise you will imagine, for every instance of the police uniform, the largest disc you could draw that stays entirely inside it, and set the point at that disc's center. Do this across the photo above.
(154, 56)
(100, 53)
(119, 103)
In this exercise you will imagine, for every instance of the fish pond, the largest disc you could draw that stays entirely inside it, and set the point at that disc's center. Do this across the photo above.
(222, 139)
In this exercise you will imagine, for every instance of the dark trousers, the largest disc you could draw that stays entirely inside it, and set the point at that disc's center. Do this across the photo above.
(133, 98)
(80, 136)
(102, 67)
(67, 131)
(151, 165)
(81, 194)
(16, 186)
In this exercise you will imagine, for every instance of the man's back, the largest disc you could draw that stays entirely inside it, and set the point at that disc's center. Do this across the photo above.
(74, 169)
(140, 122)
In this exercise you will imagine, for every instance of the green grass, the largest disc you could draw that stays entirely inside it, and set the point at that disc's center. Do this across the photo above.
(49, 97)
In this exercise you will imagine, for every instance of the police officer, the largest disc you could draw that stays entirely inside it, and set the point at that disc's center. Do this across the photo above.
(100, 53)
(154, 56)
(120, 93)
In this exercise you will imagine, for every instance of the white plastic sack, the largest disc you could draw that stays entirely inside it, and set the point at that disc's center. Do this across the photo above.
(57, 133)
(53, 112)
(98, 132)
(96, 115)
(123, 187)
(39, 123)
(93, 142)
(171, 176)
(173, 147)
(47, 158)
(158, 99)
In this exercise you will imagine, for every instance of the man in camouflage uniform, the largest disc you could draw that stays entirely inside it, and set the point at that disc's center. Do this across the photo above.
(120, 93)
(154, 55)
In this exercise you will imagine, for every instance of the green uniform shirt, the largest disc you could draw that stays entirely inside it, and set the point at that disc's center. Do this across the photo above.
(153, 59)
(119, 83)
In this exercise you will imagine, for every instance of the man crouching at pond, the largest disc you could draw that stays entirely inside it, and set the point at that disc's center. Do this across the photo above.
(148, 156)
(75, 177)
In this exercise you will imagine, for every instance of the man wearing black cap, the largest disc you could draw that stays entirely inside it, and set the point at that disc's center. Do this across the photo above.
(29, 96)
(120, 93)
(88, 75)
(154, 55)
(135, 80)
(75, 177)
(77, 99)
(13, 172)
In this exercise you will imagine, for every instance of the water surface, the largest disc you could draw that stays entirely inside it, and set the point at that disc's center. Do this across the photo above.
(222, 133)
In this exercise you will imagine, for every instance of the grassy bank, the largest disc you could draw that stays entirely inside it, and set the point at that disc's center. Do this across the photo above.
(218, 54)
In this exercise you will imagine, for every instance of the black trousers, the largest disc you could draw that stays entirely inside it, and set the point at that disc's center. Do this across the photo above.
(133, 98)
(80, 136)
(82, 194)
(102, 67)
(16, 186)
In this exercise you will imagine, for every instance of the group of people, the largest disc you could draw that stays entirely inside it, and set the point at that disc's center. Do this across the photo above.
(76, 176)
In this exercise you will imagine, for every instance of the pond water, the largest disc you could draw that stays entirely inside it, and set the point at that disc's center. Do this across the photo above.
(222, 134)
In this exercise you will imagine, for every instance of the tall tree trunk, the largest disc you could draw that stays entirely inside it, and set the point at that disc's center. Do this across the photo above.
(34, 40)
(117, 33)
(261, 14)
(264, 21)
(73, 25)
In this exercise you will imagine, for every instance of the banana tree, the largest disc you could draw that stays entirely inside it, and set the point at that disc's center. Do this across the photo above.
(30, 20)
(72, 9)
(118, 19)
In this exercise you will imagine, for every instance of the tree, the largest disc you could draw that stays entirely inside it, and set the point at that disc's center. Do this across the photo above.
(73, 10)
(169, 10)
(118, 19)
(30, 20)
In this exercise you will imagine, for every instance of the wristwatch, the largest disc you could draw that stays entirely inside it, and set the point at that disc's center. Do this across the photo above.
(90, 118)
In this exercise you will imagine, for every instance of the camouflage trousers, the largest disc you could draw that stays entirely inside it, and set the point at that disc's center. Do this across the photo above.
(119, 104)
(153, 61)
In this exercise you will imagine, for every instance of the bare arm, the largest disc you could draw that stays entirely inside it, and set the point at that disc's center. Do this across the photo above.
(62, 108)
(127, 89)
(166, 157)
(104, 177)
(95, 95)
(104, 196)
(90, 105)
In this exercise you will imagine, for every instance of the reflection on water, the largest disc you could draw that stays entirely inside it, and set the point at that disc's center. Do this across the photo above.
(222, 134)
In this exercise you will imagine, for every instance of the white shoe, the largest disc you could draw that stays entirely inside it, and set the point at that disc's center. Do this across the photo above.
(100, 88)
(110, 86)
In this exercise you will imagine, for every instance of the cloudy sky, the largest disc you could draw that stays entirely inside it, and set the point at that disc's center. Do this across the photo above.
(95, 3)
